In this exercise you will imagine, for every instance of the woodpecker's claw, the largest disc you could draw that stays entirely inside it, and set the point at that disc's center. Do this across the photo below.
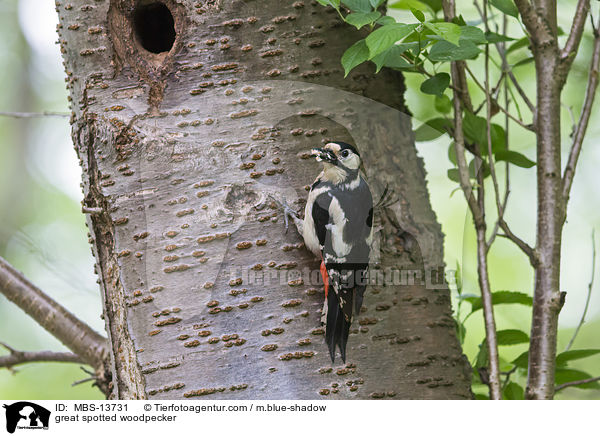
(288, 212)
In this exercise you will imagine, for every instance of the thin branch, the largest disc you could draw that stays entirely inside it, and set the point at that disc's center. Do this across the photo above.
(72, 332)
(524, 246)
(569, 51)
(500, 47)
(589, 293)
(569, 109)
(508, 374)
(482, 250)
(459, 145)
(476, 206)
(20, 357)
(488, 114)
(34, 114)
(494, 233)
(584, 119)
(512, 117)
(85, 380)
(576, 383)
(519, 89)
(460, 79)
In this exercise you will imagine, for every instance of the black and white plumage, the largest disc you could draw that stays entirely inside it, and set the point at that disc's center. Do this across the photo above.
(337, 227)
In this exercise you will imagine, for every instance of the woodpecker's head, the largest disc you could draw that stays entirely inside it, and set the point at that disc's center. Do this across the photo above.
(341, 161)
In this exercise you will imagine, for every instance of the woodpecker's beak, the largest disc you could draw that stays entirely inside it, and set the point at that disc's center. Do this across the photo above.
(324, 155)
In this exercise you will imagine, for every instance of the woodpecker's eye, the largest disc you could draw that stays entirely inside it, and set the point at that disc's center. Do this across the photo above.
(345, 153)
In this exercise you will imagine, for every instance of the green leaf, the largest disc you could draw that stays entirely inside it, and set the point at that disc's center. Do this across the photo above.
(392, 58)
(484, 167)
(409, 4)
(363, 6)
(502, 297)
(513, 157)
(475, 129)
(566, 375)
(461, 332)
(472, 34)
(481, 397)
(355, 55)
(435, 5)
(482, 357)
(436, 85)
(498, 138)
(522, 361)
(442, 104)
(418, 14)
(433, 129)
(511, 337)
(360, 19)
(566, 356)
(333, 3)
(452, 155)
(459, 21)
(386, 19)
(386, 36)
(513, 391)
(453, 175)
(519, 43)
(445, 51)
(506, 6)
(376, 3)
(523, 62)
(421, 36)
(493, 37)
(447, 31)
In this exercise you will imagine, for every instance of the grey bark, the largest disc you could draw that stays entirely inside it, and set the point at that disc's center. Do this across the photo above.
(181, 150)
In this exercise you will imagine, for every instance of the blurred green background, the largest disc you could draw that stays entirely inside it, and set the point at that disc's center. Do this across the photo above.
(42, 230)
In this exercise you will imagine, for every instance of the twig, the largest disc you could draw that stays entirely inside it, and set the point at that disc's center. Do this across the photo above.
(506, 69)
(512, 117)
(488, 124)
(589, 294)
(501, 223)
(506, 127)
(460, 79)
(508, 374)
(34, 114)
(524, 246)
(476, 207)
(579, 134)
(569, 109)
(569, 51)
(576, 383)
(85, 380)
(72, 332)
(20, 357)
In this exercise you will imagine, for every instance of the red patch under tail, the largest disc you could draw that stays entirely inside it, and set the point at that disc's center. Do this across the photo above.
(325, 277)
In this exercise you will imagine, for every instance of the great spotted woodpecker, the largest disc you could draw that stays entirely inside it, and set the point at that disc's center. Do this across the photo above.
(337, 228)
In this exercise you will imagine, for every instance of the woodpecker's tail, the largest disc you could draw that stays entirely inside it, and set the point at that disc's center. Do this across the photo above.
(337, 328)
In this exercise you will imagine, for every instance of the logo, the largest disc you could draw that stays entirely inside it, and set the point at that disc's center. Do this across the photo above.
(26, 415)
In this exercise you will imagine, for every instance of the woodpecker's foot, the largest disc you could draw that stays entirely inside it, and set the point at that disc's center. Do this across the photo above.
(288, 213)
(387, 199)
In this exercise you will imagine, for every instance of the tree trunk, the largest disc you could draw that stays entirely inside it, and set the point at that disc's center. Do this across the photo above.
(182, 144)
(550, 211)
